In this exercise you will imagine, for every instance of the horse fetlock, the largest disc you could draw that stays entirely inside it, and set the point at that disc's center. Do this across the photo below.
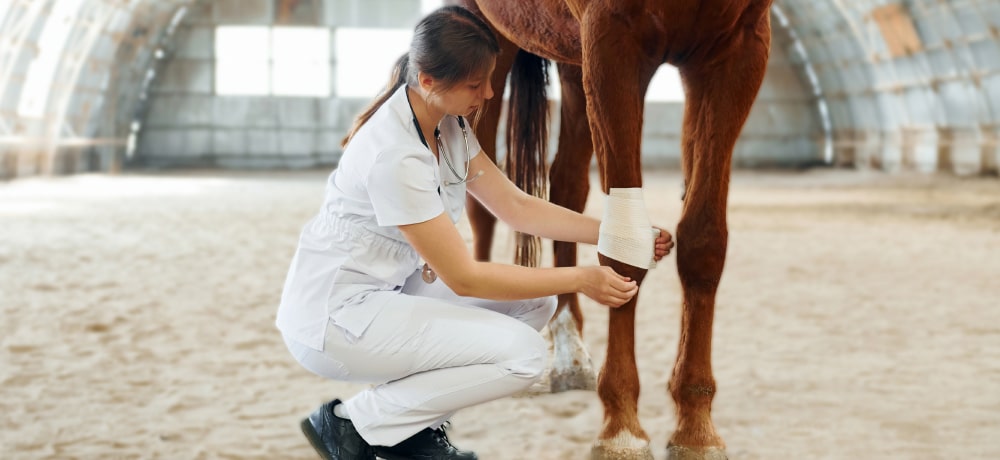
(693, 394)
(697, 389)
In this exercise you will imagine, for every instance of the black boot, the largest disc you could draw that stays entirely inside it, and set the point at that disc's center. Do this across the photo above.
(335, 438)
(428, 444)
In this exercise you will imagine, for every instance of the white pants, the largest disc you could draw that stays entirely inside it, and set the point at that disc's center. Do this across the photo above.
(432, 352)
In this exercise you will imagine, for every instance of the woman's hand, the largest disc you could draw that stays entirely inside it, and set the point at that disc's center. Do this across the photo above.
(607, 287)
(664, 243)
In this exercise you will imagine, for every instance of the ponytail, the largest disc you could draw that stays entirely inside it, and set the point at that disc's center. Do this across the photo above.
(399, 77)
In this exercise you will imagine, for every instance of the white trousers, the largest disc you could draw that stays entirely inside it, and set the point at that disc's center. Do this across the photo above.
(431, 352)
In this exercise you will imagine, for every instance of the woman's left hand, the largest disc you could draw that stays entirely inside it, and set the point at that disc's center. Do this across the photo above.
(664, 243)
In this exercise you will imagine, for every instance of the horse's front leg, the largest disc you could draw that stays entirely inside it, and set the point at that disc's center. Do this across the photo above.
(615, 77)
(572, 368)
(720, 93)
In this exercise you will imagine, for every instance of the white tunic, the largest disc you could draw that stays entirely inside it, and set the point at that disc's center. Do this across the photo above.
(351, 256)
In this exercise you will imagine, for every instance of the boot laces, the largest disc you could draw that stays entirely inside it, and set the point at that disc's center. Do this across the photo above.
(441, 436)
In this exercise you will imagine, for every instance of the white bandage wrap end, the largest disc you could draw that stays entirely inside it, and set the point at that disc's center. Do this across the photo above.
(625, 230)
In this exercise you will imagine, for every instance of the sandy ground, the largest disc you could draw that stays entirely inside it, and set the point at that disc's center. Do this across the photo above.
(858, 317)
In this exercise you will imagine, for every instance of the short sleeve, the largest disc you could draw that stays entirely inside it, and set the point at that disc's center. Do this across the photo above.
(403, 188)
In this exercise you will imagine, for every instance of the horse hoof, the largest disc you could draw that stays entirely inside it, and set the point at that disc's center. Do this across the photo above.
(573, 379)
(607, 452)
(705, 453)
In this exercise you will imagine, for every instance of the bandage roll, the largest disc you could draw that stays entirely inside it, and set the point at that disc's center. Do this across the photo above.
(625, 230)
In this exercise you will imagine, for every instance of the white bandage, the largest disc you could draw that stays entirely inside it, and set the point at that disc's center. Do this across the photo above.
(625, 230)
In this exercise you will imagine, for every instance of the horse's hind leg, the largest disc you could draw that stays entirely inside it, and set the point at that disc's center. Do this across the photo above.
(719, 97)
(572, 368)
(482, 222)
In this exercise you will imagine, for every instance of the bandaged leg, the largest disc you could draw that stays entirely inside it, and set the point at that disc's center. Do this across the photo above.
(625, 233)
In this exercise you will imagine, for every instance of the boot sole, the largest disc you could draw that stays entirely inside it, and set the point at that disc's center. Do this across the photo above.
(397, 457)
(314, 439)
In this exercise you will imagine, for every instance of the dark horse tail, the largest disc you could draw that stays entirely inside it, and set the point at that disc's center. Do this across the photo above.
(527, 140)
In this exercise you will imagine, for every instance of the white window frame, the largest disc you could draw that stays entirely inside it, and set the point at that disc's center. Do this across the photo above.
(365, 58)
(272, 61)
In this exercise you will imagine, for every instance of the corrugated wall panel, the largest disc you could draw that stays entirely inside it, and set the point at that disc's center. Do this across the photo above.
(935, 106)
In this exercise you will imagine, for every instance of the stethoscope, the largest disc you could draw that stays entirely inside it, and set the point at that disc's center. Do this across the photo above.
(462, 178)
(426, 273)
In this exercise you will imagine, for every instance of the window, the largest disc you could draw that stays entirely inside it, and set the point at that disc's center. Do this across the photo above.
(38, 84)
(365, 58)
(426, 6)
(4, 8)
(242, 61)
(278, 61)
(301, 58)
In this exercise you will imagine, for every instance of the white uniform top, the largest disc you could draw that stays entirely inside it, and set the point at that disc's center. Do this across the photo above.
(351, 255)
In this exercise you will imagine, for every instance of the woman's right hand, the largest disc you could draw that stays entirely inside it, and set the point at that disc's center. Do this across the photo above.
(607, 287)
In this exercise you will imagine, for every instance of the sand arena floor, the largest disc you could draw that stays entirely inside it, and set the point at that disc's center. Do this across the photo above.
(858, 317)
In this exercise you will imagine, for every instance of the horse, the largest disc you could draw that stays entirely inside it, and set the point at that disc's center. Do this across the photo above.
(606, 52)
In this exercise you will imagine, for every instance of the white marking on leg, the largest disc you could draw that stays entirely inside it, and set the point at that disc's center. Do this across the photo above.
(572, 367)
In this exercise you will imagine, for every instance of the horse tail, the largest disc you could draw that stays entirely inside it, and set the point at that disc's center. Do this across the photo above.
(527, 140)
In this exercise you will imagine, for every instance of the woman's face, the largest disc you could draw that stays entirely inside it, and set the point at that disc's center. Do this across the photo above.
(467, 96)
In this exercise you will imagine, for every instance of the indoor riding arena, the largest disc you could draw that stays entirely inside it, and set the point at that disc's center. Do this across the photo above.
(158, 160)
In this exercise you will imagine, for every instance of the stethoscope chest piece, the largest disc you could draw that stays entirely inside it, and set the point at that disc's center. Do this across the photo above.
(428, 274)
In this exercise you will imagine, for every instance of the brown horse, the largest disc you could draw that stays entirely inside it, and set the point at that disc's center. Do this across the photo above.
(607, 52)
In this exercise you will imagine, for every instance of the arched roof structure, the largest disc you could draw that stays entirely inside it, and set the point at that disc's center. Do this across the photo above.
(912, 84)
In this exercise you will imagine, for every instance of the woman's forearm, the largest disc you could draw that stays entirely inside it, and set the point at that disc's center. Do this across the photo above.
(511, 282)
(496, 281)
(535, 216)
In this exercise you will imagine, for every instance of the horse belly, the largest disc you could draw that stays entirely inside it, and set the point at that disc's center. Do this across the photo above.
(543, 27)
(693, 27)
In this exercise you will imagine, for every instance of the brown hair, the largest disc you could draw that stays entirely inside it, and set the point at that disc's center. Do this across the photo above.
(450, 44)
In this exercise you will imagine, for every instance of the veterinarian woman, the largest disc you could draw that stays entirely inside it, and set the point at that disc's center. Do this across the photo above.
(382, 288)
